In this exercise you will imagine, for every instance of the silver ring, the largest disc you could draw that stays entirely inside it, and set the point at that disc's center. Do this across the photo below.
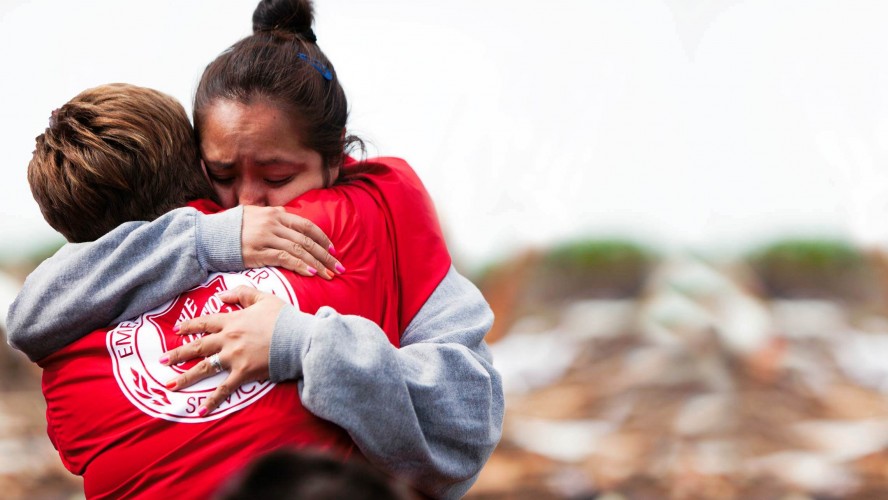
(216, 364)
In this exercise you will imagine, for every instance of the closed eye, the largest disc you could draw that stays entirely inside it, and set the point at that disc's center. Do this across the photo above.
(224, 181)
(279, 182)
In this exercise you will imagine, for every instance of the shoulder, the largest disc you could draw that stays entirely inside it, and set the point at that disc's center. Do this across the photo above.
(381, 168)
(347, 199)
(395, 184)
(348, 213)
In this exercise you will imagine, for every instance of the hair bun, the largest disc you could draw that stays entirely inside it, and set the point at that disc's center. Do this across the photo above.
(294, 16)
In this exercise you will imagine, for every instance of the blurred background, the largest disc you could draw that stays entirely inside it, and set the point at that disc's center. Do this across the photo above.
(676, 208)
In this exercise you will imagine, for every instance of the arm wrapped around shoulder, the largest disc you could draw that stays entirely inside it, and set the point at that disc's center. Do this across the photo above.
(430, 412)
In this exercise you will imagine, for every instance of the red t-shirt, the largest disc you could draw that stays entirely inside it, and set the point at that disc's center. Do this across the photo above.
(421, 257)
(112, 420)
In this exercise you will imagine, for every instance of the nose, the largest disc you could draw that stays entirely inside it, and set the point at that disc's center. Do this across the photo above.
(252, 193)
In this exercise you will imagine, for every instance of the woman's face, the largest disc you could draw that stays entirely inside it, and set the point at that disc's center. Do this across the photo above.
(253, 155)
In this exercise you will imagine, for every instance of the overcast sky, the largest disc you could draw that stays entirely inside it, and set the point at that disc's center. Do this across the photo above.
(686, 123)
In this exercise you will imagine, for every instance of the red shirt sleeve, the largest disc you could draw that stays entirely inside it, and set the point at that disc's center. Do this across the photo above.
(354, 221)
(420, 252)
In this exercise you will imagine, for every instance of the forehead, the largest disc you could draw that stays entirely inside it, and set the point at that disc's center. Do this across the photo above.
(231, 130)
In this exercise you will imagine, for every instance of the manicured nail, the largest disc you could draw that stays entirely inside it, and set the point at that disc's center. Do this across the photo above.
(331, 249)
(176, 328)
(203, 411)
(170, 384)
(164, 359)
(312, 270)
(339, 268)
(226, 295)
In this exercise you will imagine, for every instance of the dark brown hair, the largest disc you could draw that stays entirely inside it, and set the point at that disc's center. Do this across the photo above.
(282, 64)
(114, 154)
(297, 475)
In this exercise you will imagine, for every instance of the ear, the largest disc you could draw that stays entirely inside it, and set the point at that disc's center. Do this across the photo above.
(333, 175)
(334, 171)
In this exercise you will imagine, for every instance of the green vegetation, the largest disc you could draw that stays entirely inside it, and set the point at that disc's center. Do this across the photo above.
(814, 268)
(608, 268)
(593, 254)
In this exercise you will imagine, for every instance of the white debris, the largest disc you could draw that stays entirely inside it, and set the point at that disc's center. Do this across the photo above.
(528, 361)
(716, 457)
(864, 358)
(744, 323)
(674, 319)
(808, 318)
(590, 319)
(562, 440)
(813, 472)
(843, 440)
(704, 414)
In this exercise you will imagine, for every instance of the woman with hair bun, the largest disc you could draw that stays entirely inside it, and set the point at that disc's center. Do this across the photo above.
(270, 118)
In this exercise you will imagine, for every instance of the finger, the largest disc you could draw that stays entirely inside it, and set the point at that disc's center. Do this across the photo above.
(198, 372)
(197, 348)
(321, 255)
(306, 227)
(305, 249)
(308, 235)
(263, 244)
(243, 295)
(208, 323)
(218, 396)
(283, 258)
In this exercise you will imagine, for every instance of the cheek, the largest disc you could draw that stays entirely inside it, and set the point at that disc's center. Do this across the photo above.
(226, 194)
(286, 194)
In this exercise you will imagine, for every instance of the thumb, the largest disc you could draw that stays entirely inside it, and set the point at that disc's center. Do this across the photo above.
(243, 295)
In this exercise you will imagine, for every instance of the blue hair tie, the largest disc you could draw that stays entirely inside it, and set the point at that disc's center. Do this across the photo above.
(323, 70)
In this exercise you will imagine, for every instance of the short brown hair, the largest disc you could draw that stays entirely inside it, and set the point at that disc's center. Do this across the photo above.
(113, 154)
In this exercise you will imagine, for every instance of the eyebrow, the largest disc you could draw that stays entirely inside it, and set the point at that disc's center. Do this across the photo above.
(273, 160)
(218, 165)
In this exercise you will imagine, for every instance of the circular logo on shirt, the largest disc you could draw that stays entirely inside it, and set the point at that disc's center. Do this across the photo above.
(136, 346)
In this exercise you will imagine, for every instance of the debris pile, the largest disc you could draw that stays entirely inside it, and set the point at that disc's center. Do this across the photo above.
(697, 388)
(29, 465)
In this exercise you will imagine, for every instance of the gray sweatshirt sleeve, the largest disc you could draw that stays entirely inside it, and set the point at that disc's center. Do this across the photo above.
(430, 412)
(132, 269)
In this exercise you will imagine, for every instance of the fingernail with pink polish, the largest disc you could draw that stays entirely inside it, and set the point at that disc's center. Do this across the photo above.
(339, 268)
(312, 270)
(331, 249)
(176, 328)
(203, 411)
(164, 359)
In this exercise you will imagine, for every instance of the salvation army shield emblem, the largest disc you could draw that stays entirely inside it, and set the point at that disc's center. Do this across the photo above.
(135, 347)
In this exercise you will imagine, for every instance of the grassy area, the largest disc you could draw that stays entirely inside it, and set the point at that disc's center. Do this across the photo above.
(814, 268)
(611, 268)
(585, 268)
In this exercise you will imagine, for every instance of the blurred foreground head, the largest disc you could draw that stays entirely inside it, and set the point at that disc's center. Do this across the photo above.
(290, 475)
(114, 154)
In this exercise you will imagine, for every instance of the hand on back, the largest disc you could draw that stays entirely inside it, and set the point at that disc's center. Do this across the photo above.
(271, 236)
(238, 341)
